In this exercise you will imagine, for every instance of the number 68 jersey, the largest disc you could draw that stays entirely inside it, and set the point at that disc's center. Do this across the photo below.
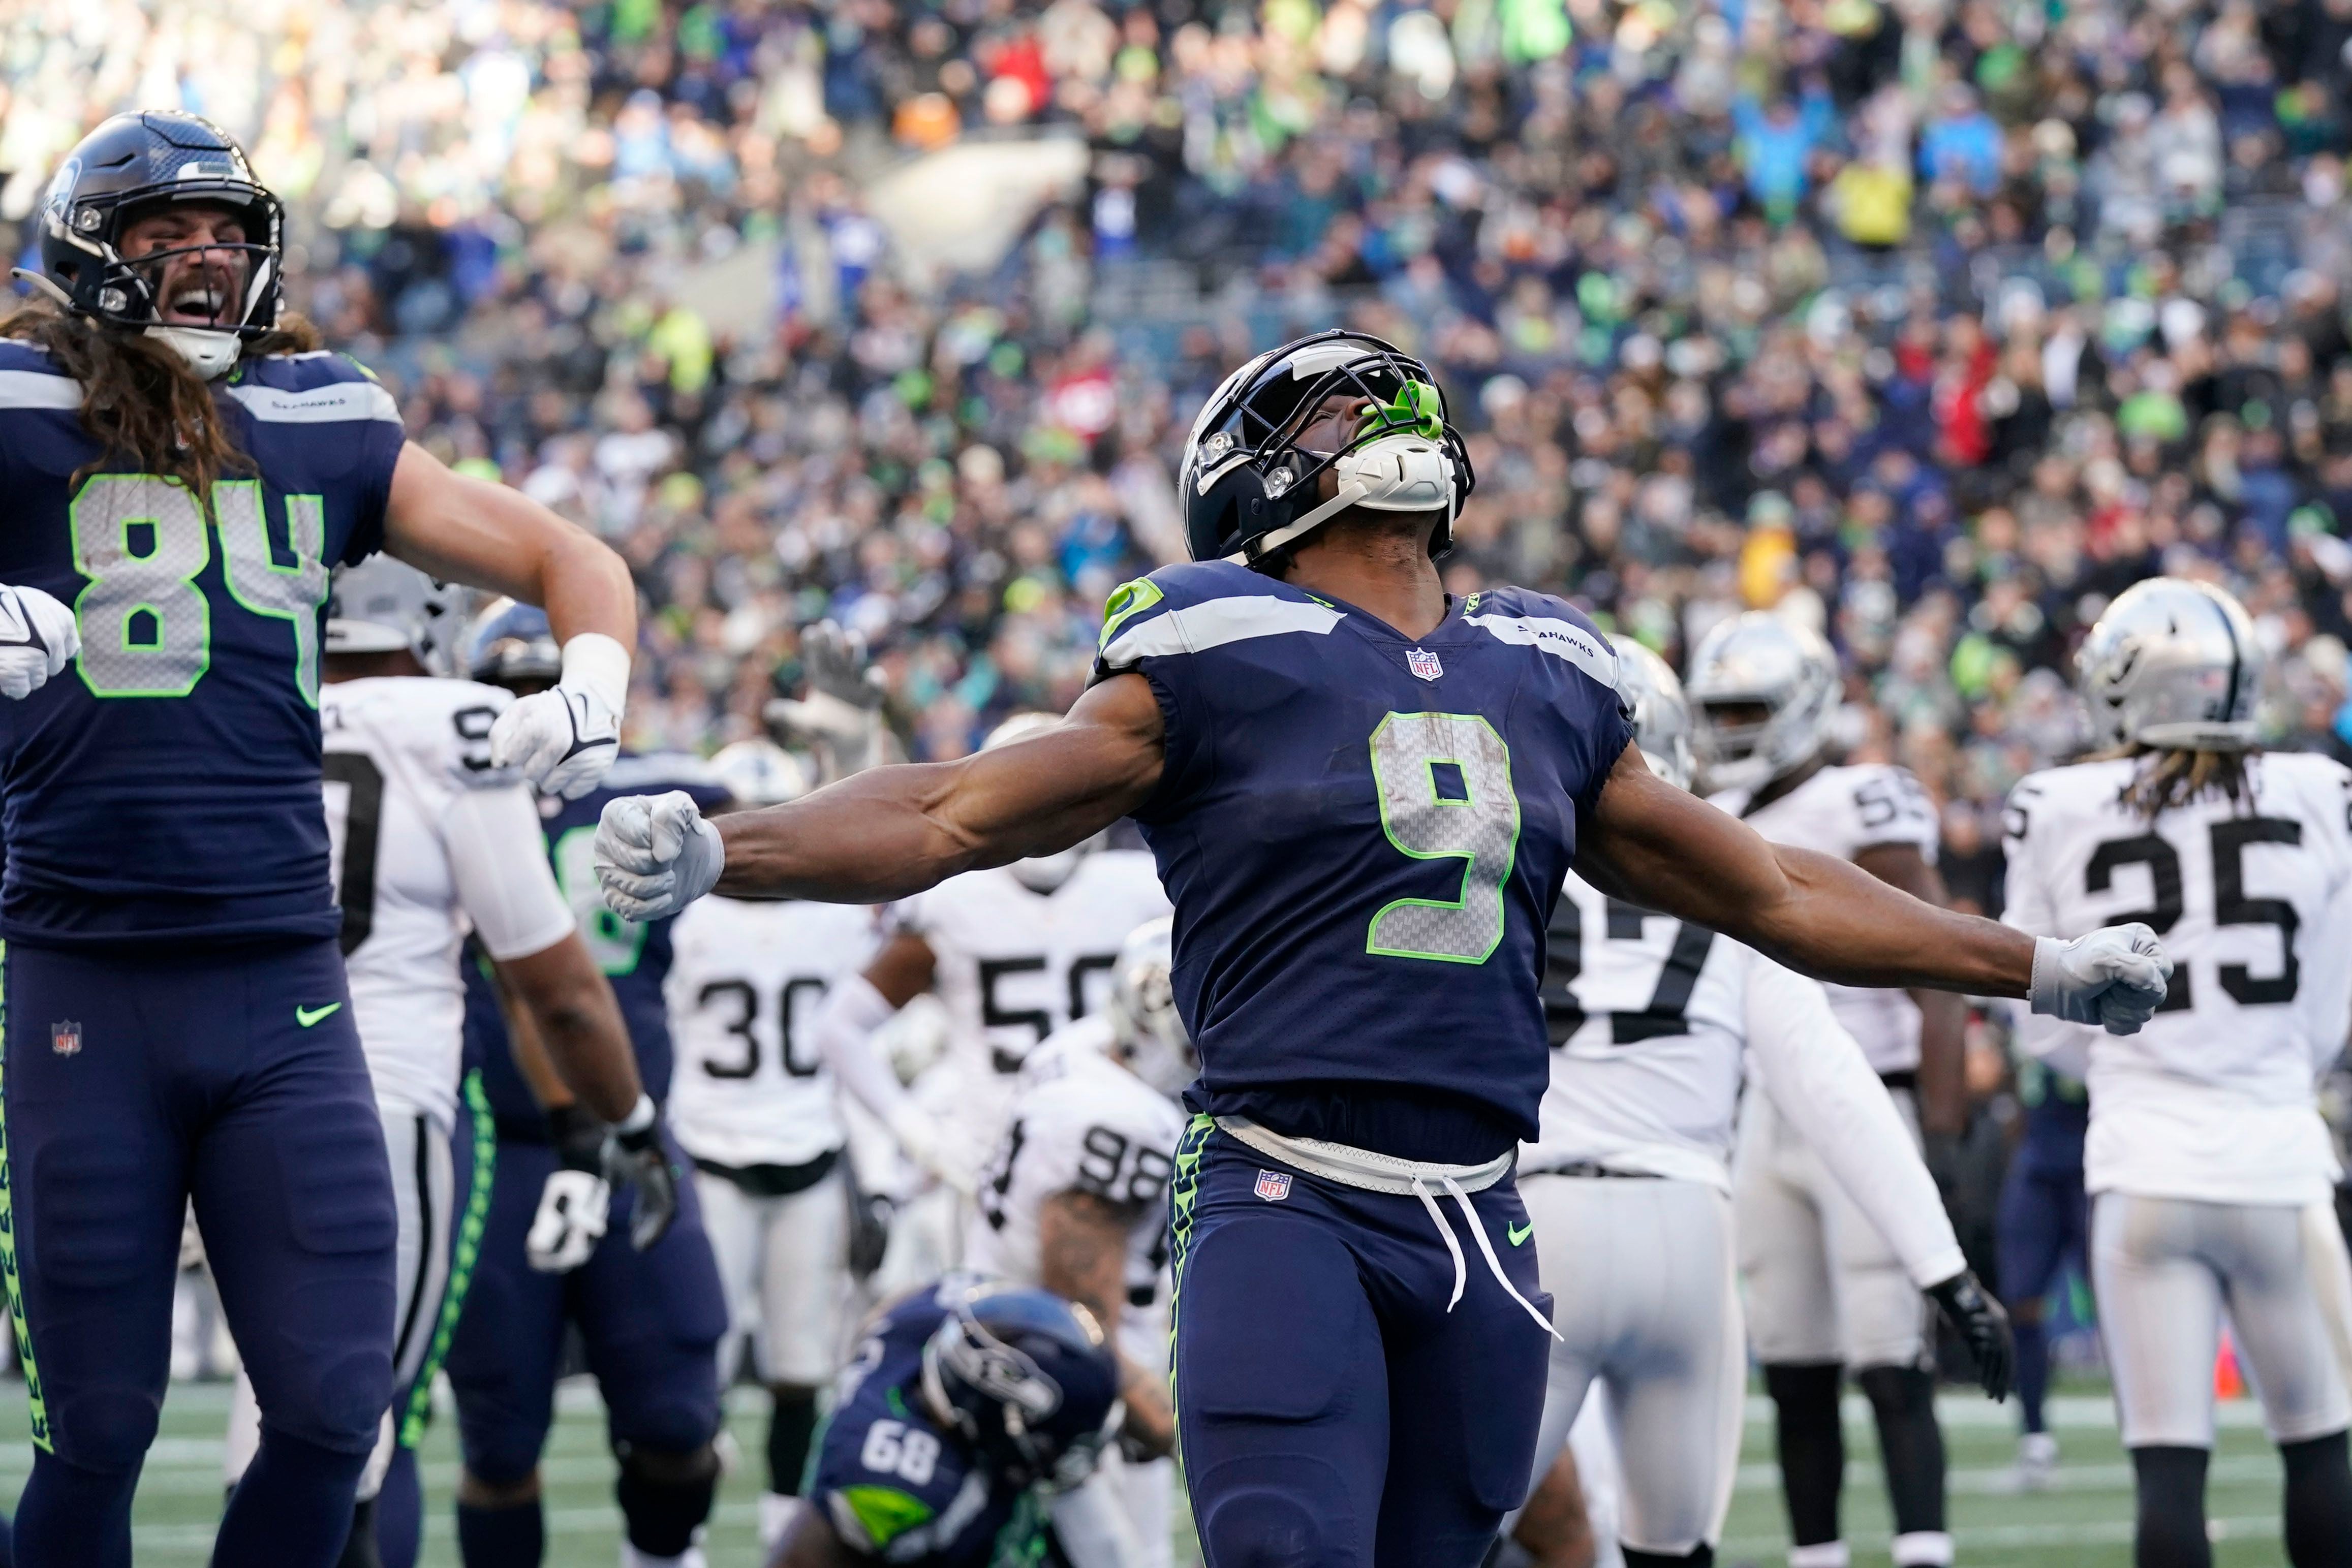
(2212, 1100)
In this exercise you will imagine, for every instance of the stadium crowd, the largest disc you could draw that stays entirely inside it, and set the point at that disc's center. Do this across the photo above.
(1935, 323)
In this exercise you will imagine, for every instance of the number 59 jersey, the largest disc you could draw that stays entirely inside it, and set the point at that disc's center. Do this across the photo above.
(2213, 1099)
(165, 788)
(1363, 833)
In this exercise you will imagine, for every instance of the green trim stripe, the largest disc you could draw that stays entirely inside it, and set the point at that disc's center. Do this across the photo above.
(461, 1262)
(32, 1398)
(1184, 1187)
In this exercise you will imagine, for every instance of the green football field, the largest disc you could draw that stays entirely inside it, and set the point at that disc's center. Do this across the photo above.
(2082, 1521)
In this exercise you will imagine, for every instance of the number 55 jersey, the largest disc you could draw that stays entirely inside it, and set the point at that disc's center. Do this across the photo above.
(167, 785)
(2213, 1099)
(1363, 835)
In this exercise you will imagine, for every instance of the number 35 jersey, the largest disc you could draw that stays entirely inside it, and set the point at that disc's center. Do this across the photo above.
(1363, 833)
(2213, 1099)
(1842, 812)
(164, 788)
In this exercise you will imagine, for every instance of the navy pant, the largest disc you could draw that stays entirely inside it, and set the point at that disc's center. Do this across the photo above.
(1330, 1411)
(2043, 1221)
(649, 1321)
(134, 1081)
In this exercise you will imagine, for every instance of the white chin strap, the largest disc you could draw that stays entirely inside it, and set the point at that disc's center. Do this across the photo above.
(1394, 474)
(210, 354)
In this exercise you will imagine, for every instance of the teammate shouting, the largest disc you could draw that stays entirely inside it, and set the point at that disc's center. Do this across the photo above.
(1364, 794)
(182, 471)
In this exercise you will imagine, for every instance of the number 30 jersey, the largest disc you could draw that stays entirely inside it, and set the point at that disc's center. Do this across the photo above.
(165, 788)
(1363, 834)
(2213, 1099)
(1842, 812)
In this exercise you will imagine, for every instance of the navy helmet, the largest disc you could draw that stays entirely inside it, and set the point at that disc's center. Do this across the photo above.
(1029, 1379)
(126, 168)
(511, 644)
(1253, 465)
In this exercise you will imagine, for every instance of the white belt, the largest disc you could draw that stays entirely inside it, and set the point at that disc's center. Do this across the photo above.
(1370, 1172)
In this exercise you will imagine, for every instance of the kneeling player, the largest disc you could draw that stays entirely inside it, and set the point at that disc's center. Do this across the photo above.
(754, 1105)
(1075, 1200)
(971, 1407)
(1628, 1188)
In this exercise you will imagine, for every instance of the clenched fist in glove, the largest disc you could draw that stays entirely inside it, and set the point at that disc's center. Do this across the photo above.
(576, 1202)
(2116, 976)
(561, 741)
(37, 640)
(656, 854)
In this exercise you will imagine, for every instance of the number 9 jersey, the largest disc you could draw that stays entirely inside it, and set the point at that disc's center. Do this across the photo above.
(2213, 1099)
(167, 787)
(1362, 833)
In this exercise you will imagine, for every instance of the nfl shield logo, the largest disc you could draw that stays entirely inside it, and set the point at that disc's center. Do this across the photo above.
(1272, 1185)
(65, 1039)
(1423, 662)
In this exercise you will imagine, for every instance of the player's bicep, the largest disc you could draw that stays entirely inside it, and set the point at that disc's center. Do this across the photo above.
(1664, 849)
(503, 881)
(1082, 1248)
(1055, 786)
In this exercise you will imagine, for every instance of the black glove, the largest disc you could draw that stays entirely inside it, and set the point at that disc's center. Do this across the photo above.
(869, 1228)
(639, 1159)
(1977, 1319)
(579, 1139)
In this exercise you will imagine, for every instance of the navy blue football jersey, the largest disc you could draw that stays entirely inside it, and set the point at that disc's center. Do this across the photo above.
(165, 787)
(1363, 834)
(895, 1482)
(634, 957)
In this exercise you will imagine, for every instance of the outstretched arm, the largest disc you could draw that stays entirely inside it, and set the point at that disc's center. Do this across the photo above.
(1668, 850)
(1653, 845)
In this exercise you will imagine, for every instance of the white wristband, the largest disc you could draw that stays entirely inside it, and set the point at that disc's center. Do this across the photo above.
(640, 1116)
(595, 663)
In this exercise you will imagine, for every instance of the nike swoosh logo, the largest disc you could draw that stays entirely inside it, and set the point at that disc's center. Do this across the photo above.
(306, 1017)
(1519, 1233)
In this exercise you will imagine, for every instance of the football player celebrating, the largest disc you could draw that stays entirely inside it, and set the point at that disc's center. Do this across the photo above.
(431, 842)
(1363, 795)
(1827, 1289)
(970, 1409)
(1015, 952)
(1075, 1198)
(184, 472)
(2208, 1162)
(1629, 1185)
(753, 1103)
(646, 1298)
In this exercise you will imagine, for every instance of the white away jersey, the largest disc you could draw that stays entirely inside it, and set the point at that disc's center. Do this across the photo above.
(426, 840)
(1080, 1123)
(1652, 1022)
(2213, 1100)
(1842, 812)
(750, 1087)
(1015, 966)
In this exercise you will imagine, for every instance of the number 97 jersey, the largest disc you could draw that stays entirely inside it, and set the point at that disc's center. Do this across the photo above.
(2212, 1100)
(1363, 833)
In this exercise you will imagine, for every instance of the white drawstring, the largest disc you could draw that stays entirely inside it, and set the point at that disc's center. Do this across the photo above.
(1485, 1249)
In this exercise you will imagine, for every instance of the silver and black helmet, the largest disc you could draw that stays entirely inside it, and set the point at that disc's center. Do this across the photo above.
(2173, 664)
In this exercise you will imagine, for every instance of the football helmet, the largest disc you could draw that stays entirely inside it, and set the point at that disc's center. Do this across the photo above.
(125, 168)
(1258, 450)
(1143, 1010)
(2172, 664)
(1027, 1379)
(1758, 660)
(1041, 874)
(382, 606)
(759, 772)
(1662, 719)
(511, 644)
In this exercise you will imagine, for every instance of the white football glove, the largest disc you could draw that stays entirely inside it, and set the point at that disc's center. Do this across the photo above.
(37, 640)
(573, 1208)
(655, 854)
(2116, 976)
(929, 1144)
(561, 741)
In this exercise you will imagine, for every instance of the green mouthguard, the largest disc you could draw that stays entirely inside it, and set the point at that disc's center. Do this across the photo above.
(1414, 411)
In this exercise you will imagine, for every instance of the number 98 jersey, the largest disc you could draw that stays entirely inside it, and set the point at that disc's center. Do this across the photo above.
(166, 788)
(2212, 1100)
(1363, 833)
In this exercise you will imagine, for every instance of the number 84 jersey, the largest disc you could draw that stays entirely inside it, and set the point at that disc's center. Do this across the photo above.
(2212, 1100)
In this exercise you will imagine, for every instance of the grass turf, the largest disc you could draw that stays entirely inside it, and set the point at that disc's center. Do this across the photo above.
(2083, 1520)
